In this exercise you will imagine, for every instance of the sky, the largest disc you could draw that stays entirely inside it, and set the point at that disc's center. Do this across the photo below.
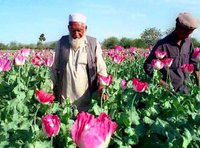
(23, 21)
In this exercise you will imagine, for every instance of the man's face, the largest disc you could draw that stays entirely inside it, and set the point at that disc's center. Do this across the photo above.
(76, 29)
(183, 33)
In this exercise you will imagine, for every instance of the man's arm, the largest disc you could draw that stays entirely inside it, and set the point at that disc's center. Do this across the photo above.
(54, 68)
(101, 67)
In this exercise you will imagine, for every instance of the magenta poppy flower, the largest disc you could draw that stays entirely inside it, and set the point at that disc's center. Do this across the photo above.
(90, 132)
(19, 60)
(132, 49)
(110, 52)
(168, 62)
(44, 97)
(160, 54)
(25, 52)
(157, 64)
(118, 58)
(138, 85)
(196, 55)
(123, 84)
(105, 80)
(51, 125)
(5, 64)
(37, 60)
(187, 68)
(48, 61)
(118, 48)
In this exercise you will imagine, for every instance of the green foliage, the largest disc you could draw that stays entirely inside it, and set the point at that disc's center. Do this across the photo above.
(52, 45)
(126, 42)
(40, 45)
(3, 46)
(13, 46)
(20, 112)
(139, 43)
(195, 42)
(151, 35)
(110, 42)
(42, 37)
(155, 118)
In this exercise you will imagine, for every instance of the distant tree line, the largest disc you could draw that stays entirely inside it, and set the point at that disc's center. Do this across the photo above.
(16, 46)
(39, 45)
(147, 38)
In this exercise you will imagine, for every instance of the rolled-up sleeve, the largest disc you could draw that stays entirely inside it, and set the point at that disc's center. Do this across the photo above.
(101, 65)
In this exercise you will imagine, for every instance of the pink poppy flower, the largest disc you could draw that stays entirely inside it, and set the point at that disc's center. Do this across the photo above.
(187, 68)
(168, 62)
(196, 55)
(5, 64)
(123, 84)
(51, 125)
(138, 85)
(118, 58)
(90, 132)
(103, 80)
(160, 54)
(37, 60)
(157, 64)
(44, 97)
(48, 61)
(118, 48)
(19, 60)
(25, 52)
(132, 49)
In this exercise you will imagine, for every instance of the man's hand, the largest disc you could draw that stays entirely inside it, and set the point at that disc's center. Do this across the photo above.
(164, 84)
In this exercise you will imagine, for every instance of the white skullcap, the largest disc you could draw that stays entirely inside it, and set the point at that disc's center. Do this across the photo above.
(77, 17)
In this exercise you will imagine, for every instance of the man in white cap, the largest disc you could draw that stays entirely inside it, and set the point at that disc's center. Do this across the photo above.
(77, 62)
(178, 46)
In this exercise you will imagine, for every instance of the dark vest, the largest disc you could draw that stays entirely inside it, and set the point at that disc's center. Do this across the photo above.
(91, 62)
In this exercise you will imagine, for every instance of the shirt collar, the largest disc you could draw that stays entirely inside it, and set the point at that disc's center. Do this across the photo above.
(173, 38)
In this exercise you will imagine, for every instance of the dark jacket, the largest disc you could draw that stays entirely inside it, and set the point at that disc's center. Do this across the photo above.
(181, 55)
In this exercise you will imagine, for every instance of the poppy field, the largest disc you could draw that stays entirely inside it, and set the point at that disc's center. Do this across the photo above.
(138, 112)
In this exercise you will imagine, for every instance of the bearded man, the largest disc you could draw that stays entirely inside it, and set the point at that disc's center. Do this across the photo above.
(77, 62)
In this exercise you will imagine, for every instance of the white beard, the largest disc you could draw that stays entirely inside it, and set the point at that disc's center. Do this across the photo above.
(76, 43)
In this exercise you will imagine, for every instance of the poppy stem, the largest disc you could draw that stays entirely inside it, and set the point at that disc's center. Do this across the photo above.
(35, 118)
(51, 146)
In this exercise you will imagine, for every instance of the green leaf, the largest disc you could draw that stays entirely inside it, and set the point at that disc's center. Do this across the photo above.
(130, 131)
(148, 120)
(187, 138)
(42, 144)
(133, 116)
(159, 127)
(97, 109)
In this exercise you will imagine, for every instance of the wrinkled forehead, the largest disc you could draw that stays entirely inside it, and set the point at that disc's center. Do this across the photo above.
(76, 25)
